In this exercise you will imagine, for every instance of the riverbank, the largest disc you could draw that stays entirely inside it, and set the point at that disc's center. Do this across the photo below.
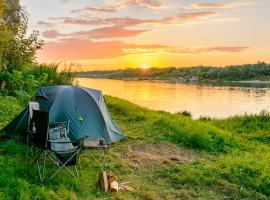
(249, 75)
(246, 83)
(164, 156)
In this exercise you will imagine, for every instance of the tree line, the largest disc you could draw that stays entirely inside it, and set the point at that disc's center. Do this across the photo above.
(258, 71)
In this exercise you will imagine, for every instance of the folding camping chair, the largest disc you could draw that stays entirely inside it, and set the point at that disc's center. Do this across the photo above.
(54, 144)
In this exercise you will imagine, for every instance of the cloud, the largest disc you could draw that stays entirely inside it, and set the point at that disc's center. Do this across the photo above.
(45, 24)
(94, 9)
(183, 18)
(79, 49)
(219, 5)
(117, 27)
(127, 21)
(64, 1)
(74, 48)
(120, 21)
(114, 6)
(52, 34)
(153, 4)
(179, 50)
(109, 32)
(223, 49)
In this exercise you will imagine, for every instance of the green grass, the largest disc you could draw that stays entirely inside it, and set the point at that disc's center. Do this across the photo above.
(232, 158)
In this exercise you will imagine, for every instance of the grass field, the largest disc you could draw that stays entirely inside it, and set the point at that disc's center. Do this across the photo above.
(164, 156)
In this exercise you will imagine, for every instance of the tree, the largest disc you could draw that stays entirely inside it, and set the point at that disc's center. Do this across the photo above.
(13, 15)
(17, 48)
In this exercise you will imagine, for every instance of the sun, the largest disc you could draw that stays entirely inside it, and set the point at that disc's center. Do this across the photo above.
(144, 66)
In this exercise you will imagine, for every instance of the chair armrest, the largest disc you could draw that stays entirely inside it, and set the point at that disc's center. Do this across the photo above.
(56, 123)
(59, 142)
(74, 142)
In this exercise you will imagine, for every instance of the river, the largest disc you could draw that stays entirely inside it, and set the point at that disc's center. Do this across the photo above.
(206, 101)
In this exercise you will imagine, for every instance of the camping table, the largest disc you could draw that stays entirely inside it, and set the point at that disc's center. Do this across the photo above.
(94, 144)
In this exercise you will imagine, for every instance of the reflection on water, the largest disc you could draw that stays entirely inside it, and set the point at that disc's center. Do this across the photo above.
(199, 100)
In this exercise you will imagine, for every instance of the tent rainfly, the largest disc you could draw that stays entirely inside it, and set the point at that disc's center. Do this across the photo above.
(83, 107)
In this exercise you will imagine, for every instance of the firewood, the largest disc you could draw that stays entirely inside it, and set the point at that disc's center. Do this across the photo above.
(104, 186)
(124, 186)
(124, 183)
(128, 188)
(111, 177)
(114, 186)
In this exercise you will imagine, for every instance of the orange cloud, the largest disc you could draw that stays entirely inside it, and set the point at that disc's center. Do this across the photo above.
(77, 49)
(98, 33)
(152, 4)
(180, 50)
(127, 21)
(223, 49)
(94, 9)
(120, 21)
(219, 5)
(116, 27)
(109, 32)
(73, 48)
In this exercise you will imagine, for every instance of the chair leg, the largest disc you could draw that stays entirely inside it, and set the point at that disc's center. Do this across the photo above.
(63, 165)
(79, 158)
(37, 157)
(76, 171)
(43, 168)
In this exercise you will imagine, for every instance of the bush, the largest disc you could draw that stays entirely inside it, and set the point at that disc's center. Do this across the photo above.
(23, 84)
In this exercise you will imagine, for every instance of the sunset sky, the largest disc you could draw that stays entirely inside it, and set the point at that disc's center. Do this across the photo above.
(151, 33)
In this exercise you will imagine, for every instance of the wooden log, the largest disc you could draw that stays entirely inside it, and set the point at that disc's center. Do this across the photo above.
(123, 186)
(111, 177)
(104, 186)
(114, 186)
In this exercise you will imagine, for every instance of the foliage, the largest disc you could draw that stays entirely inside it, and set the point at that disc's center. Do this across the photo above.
(17, 49)
(23, 84)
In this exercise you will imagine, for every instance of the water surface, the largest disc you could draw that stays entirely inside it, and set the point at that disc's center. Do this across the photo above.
(207, 101)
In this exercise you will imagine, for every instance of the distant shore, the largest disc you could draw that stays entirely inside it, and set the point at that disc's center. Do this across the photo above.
(249, 75)
(246, 83)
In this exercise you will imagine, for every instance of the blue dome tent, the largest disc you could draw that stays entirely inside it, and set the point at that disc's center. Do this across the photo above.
(84, 108)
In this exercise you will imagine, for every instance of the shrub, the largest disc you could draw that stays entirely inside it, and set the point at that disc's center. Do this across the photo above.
(23, 84)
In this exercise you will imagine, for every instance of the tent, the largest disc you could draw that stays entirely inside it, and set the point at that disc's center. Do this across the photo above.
(83, 107)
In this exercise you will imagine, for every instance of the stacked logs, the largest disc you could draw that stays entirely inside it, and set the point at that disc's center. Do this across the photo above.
(108, 183)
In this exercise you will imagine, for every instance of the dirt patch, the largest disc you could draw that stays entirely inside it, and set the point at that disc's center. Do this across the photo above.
(156, 155)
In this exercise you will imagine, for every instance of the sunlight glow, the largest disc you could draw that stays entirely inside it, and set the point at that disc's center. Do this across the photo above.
(144, 66)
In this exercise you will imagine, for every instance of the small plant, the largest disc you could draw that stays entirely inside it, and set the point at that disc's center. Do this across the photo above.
(185, 113)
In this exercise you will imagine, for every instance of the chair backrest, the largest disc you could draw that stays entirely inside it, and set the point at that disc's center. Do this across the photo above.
(32, 105)
(41, 124)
